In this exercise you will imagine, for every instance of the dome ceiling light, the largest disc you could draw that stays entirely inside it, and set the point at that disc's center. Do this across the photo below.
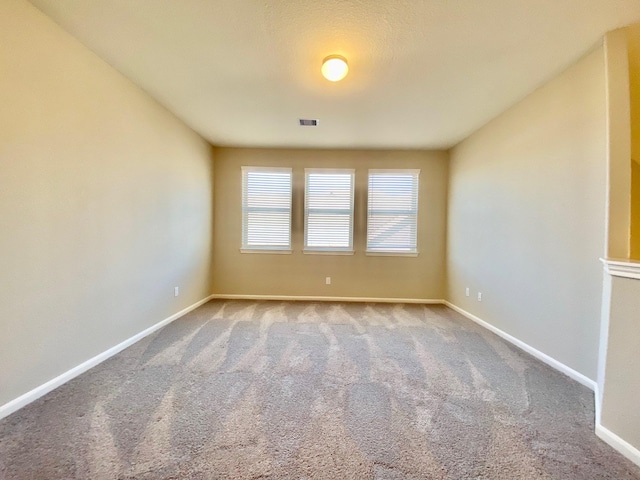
(334, 68)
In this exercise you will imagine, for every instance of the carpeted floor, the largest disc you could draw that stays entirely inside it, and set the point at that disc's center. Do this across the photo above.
(277, 390)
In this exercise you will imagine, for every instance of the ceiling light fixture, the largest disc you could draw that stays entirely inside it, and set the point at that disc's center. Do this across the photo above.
(334, 68)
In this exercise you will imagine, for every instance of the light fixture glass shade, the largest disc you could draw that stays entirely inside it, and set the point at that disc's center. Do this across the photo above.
(334, 68)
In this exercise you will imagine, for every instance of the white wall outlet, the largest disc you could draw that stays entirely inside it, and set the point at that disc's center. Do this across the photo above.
(466, 291)
(327, 280)
(479, 296)
(176, 291)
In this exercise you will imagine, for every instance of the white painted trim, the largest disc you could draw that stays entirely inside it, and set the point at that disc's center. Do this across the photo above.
(622, 268)
(597, 403)
(603, 344)
(373, 253)
(267, 251)
(308, 251)
(406, 171)
(617, 443)
(561, 367)
(23, 400)
(304, 298)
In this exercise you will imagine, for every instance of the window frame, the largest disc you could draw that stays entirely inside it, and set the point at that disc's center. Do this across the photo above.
(411, 250)
(272, 249)
(349, 250)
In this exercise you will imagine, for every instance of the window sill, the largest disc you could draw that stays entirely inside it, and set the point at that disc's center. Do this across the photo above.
(328, 252)
(266, 250)
(391, 254)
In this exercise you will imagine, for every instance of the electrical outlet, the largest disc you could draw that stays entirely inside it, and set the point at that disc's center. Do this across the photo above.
(327, 281)
(176, 291)
(479, 296)
(466, 291)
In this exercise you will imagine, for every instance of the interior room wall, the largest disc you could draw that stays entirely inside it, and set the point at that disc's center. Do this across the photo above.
(620, 413)
(618, 113)
(633, 35)
(619, 375)
(105, 205)
(526, 216)
(635, 211)
(357, 275)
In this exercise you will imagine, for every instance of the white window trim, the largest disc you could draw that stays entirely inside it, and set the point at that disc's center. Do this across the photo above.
(379, 252)
(385, 253)
(330, 250)
(263, 249)
(276, 251)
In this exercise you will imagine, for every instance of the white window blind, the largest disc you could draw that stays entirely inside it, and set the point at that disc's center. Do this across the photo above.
(392, 213)
(328, 210)
(266, 208)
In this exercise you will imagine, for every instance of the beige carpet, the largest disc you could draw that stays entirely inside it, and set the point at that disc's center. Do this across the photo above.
(274, 390)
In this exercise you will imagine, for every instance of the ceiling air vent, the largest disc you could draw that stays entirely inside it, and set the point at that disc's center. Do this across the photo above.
(305, 122)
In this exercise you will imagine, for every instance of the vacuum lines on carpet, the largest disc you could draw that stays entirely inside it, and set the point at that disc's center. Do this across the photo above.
(303, 390)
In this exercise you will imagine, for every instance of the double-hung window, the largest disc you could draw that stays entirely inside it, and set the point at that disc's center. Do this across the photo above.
(266, 209)
(392, 213)
(328, 211)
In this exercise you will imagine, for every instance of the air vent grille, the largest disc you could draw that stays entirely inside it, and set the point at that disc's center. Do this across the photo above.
(306, 122)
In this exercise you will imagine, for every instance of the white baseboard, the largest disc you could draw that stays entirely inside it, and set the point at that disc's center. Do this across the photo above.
(618, 444)
(302, 298)
(570, 372)
(22, 400)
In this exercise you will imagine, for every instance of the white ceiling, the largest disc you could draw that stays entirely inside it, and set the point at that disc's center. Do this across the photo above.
(423, 73)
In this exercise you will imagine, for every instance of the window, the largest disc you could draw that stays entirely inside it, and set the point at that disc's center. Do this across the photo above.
(266, 209)
(392, 213)
(328, 210)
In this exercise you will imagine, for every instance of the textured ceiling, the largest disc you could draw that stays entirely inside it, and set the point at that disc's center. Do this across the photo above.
(423, 73)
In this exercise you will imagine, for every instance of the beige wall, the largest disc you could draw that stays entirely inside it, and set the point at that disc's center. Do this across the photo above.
(619, 375)
(620, 412)
(633, 45)
(635, 210)
(618, 112)
(356, 275)
(527, 217)
(105, 205)
(634, 88)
